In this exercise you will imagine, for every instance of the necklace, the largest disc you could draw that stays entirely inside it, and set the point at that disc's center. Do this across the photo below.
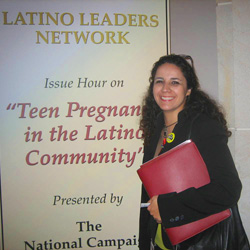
(165, 133)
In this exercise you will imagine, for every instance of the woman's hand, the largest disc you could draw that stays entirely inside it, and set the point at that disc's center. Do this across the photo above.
(154, 209)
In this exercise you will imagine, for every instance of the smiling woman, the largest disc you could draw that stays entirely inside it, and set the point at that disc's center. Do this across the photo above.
(170, 91)
(175, 109)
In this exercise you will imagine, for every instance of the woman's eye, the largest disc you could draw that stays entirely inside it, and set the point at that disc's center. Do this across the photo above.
(158, 81)
(175, 82)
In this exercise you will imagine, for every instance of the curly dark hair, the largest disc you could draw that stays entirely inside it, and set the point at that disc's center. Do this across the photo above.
(197, 101)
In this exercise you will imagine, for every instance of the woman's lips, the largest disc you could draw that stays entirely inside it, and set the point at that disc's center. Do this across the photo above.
(164, 98)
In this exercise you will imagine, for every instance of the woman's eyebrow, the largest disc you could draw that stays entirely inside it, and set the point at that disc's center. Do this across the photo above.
(161, 78)
(174, 78)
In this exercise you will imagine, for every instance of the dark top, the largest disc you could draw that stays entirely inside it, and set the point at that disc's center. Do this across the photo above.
(192, 204)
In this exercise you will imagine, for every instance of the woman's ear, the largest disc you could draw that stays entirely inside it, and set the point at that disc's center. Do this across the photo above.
(188, 92)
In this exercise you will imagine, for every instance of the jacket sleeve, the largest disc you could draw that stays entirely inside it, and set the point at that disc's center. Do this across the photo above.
(144, 234)
(221, 193)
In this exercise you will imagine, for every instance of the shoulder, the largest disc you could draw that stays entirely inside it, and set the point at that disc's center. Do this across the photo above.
(204, 127)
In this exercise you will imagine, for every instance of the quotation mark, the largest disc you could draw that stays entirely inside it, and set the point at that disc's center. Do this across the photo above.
(11, 106)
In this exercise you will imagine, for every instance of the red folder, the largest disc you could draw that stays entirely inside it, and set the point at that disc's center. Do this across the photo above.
(174, 171)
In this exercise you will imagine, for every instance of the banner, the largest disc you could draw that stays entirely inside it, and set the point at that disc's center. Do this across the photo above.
(73, 75)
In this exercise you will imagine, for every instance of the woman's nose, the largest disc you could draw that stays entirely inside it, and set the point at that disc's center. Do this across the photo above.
(166, 87)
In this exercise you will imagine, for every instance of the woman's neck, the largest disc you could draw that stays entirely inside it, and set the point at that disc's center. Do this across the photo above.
(170, 118)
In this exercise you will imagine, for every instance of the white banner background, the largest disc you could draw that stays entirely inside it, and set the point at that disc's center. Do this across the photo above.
(85, 204)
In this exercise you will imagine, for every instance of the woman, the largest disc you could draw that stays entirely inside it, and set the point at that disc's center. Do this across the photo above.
(174, 101)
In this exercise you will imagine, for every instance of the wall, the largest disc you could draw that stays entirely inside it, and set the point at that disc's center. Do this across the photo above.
(193, 32)
(233, 33)
(217, 35)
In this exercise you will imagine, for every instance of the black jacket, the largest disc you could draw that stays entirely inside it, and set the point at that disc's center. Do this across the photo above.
(192, 204)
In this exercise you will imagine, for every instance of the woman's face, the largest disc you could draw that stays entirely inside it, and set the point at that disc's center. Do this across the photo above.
(170, 89)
